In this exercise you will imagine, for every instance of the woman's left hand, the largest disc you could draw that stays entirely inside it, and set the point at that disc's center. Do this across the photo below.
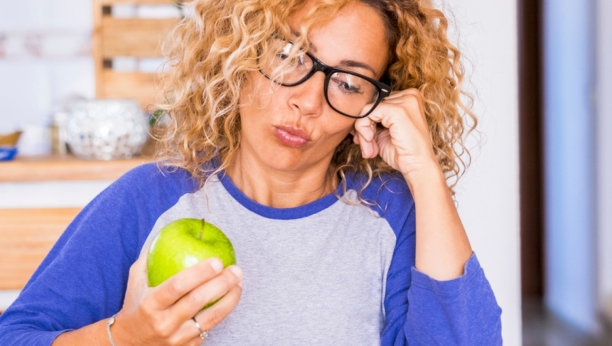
(405, 142)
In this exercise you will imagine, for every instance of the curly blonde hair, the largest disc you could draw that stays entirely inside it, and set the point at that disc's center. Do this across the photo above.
(211, 53)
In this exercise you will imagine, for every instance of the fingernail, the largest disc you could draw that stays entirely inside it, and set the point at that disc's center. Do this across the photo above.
(216, 265)
(236, 270)
(240, 284)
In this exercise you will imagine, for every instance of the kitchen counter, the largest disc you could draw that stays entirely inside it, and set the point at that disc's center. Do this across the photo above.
(54, 168)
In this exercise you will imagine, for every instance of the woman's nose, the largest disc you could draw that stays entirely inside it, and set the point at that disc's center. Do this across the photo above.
(309, 97)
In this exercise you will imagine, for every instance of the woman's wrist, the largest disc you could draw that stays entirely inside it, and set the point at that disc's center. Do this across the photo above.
(117, 333)
(93, 334)
(109, 324)
(442, 247)
(427, 176)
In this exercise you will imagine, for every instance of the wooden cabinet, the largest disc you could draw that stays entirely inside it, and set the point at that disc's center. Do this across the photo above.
(128, 37)
(28, 233)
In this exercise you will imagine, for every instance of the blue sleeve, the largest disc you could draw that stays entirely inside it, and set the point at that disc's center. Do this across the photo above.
(422, 311)
(83, 278)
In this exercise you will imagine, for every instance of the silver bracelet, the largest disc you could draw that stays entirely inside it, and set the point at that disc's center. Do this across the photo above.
(110, 322)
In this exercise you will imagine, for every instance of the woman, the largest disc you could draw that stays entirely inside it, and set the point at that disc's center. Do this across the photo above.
(332, 188)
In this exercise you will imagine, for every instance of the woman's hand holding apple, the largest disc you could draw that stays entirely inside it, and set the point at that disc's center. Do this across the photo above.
(162, 315)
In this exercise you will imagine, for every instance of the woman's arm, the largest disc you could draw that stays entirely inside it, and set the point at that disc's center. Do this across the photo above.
(405, 144)
(163, 315)
(420, 310)
(87, 275)
(442, 246)
(431, 246)
(82, 279)
(93, 334)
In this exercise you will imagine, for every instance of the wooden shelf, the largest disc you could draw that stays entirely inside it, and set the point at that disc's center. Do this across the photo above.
(53, 168)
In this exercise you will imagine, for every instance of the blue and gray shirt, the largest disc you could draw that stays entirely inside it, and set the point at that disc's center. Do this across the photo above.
(325, 273)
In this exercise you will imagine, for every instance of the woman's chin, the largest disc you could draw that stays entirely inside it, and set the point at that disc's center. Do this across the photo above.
(286, 159)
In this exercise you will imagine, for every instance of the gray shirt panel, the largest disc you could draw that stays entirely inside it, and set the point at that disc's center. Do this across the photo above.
(316, 280)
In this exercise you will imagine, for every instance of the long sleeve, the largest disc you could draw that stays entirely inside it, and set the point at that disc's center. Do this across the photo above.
(83, 278)
(424, 311)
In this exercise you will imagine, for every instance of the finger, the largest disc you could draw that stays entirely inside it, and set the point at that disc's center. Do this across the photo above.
(195, 342)
(415, 109)
(366, 109)
(388, 115)
(171, 290)
(187, 334)
(363, 144)
(142, 258)
(407, 96)
(395, 101)
(138, 270)
(354, 134)
(413, 95)
(374, 148)
(402, 93)
(212, 316)
(394, 95)
(364, 127)
(194, 301)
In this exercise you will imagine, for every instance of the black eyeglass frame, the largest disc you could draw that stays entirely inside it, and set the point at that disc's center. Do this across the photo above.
(384, 90)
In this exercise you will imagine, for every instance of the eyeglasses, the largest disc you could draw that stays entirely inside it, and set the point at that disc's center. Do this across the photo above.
(346, 92)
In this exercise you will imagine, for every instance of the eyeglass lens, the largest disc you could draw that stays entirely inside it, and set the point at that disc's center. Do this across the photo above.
(346, 93)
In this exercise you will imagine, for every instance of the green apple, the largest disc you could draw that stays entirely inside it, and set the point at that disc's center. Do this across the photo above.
(183, 243)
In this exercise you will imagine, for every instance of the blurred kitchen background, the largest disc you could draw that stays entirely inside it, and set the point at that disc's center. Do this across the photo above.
(537, 200)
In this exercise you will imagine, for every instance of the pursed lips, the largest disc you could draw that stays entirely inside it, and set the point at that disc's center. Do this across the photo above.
(296, 131)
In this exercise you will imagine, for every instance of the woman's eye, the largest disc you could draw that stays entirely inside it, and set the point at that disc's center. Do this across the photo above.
(296, 61)
(347, 87)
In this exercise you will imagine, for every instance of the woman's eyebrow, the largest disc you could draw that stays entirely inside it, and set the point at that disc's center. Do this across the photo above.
(347, 63)
(353, 63)
(311, 45)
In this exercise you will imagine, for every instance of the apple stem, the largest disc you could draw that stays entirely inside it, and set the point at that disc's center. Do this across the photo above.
(202, 229)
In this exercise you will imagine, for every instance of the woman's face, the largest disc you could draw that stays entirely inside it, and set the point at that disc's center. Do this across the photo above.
(357, 34)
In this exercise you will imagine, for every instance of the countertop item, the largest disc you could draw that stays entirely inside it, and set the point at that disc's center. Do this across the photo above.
(8, 146)
(35, 140)
(7, 152)
(10, 139)
(107, 129)
(59, 120)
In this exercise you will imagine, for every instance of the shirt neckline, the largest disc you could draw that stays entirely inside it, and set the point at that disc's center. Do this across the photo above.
(278, 213)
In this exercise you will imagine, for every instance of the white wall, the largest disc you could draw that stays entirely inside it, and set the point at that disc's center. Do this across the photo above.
(488, 194)
(45, 55)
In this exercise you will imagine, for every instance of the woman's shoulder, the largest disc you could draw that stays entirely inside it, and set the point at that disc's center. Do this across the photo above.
(152, 177)
(391, 185)
(388, 193)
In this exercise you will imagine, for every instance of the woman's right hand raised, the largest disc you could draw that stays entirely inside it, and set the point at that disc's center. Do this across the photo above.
(163, 315)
